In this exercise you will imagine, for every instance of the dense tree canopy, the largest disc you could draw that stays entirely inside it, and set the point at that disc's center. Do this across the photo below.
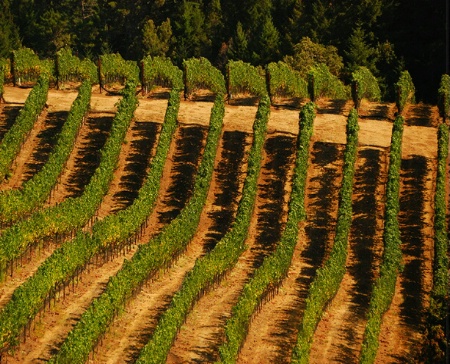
(386, 36)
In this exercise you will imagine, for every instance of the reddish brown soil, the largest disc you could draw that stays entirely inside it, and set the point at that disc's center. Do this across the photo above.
(268, 339)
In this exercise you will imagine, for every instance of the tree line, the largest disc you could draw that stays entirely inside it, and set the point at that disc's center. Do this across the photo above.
(386, 36)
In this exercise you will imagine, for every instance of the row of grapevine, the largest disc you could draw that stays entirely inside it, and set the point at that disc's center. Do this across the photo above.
(149, 258)
(200, 73)
(384, 286)
(16, 203)
(444, 97)
(245, 78)
(113, 68)
(440, 282)
(405, 91)
(209, 268)
(438, 309)
(69, 67)
(321, 83)
(160, 71)
(13, 140)
(328, 278)
(364, 85)
(72, 213)
(276, 266)
(284, 81)
(27, 67)
(439, 294)
(3, 72)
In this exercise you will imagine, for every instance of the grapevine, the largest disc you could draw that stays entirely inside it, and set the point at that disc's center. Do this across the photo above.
(444, 97)
(16, 203)
(245, 78)
(405, 91)
(15, 137)
(284, 81)
(384, 287)
(199, 73)
(321, 83)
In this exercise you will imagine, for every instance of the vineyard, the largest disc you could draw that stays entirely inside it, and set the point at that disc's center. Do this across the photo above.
(156, 215)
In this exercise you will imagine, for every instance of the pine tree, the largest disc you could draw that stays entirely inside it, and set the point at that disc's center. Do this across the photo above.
(267, 43)
(214, 26)
(359, 53)
(9, 36)
(190, 36)
(239, 45)
(156, 40)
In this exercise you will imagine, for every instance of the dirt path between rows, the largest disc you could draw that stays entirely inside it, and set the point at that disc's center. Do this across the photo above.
(274, 329)
(339, 335)
(402, 330)
(31, 151)
(403, 327)
(203, 331)
(122, 345)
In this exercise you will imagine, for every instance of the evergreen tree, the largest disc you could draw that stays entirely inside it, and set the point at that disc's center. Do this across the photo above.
(267, 44)
(389, 68)
(190, 36)
(9, 36)
(359, 53)
(214, 27)
(294, 25)
(53, 29)
(156, 40)
(239, 45)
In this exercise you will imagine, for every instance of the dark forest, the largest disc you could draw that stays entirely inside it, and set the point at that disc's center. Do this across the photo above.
(386, 36)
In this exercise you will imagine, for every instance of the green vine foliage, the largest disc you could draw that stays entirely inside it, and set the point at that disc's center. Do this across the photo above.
(440, 278)
(434, 348)
(444, 97)
(405, 91)
(27, 66)
(114, 69)
(366, 85)
(275, 267)
(3, 66)
(14, 204)
(245, 78)
(161, 71)
(70, 68)
(329, 277)
(15, 137)
(199, 73)
(321, 83)
(384, 287)
(285, 81)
